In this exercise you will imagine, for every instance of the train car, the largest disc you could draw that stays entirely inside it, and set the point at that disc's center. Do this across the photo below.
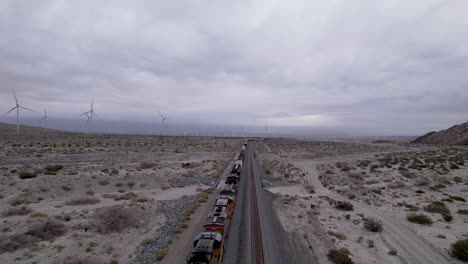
(218, 220)
(207, 249)
(237, 167)
(228, 190)
(232, 179)
(225, 201)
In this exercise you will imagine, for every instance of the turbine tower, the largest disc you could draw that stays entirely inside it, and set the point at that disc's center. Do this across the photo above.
(44, 120)
(90, 114)
(87, 121)
(17, 108)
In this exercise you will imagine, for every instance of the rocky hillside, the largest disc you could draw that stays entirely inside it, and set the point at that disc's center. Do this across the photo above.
(456, 135)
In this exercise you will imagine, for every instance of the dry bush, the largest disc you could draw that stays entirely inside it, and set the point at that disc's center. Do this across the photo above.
(116, 219)
(18, 210)
(47, 230)
(373, 224)
(15, 242)
(396, 185)
(79, 260)
(338, 235)
(459, 249)
(147, 165)
(437, 207)
(82, 200)
(419, 219)
(27, 175)
(340, 256)
(103, 182)
(344, 205)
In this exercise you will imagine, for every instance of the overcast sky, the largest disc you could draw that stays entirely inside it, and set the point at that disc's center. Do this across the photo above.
(396, 66)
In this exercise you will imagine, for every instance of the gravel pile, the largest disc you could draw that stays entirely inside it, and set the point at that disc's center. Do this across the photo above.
(174, 211)
(188, 181)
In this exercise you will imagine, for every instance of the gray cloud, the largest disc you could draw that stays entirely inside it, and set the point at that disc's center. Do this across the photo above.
(380, 66)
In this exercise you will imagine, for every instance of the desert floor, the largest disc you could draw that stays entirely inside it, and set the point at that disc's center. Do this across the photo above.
(70, 198)
(385, 182)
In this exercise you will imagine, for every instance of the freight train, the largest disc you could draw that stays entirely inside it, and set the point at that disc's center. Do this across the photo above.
(208, 246)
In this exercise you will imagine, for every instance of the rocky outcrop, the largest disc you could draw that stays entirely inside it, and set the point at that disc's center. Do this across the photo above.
(456, 135)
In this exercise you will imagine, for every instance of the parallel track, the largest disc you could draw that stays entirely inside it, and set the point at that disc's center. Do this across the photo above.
(256, 233)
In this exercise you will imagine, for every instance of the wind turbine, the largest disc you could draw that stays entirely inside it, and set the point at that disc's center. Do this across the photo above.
(17, 108)
(87, 121)
(44, 120)
(90, 114)
(163, 119)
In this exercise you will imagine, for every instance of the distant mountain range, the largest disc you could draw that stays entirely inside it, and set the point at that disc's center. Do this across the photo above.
(456, 135)
(10, 128)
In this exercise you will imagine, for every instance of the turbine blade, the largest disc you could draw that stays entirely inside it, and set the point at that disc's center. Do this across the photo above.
(16, 99)
(25, 108)
(95, 114)
(8, 112)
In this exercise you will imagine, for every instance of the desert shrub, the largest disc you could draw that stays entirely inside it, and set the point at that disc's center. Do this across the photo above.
(160, 254)
(54, 168)
(437, 186)
(421, 219)
(114, 171)
(116, 219)
(18, 210)
(459, 249)
(437, 207)
(448, 200)
(457, 198)
(447, 217)
(38, 215)
(128, 196)
(373, 224)
(412, 207)
(457, 179)
(80, 260)
(340, 256)
(344, 205)
(338, 235)
(15, 242)
(147, 165)
(103, 182)
(463, 211)
(47, 230)
(396, 185)
(82, 200)
(147, 241)
(67, 188)
(27, 175)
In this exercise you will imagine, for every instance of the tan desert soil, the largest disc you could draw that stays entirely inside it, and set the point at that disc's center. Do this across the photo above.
(148, 175)
(310, 184)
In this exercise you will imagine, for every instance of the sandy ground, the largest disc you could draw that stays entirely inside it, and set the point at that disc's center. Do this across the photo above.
(41, 178)
(383, 181)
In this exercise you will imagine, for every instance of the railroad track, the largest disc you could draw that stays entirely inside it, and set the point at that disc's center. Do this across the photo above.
(256, 233)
